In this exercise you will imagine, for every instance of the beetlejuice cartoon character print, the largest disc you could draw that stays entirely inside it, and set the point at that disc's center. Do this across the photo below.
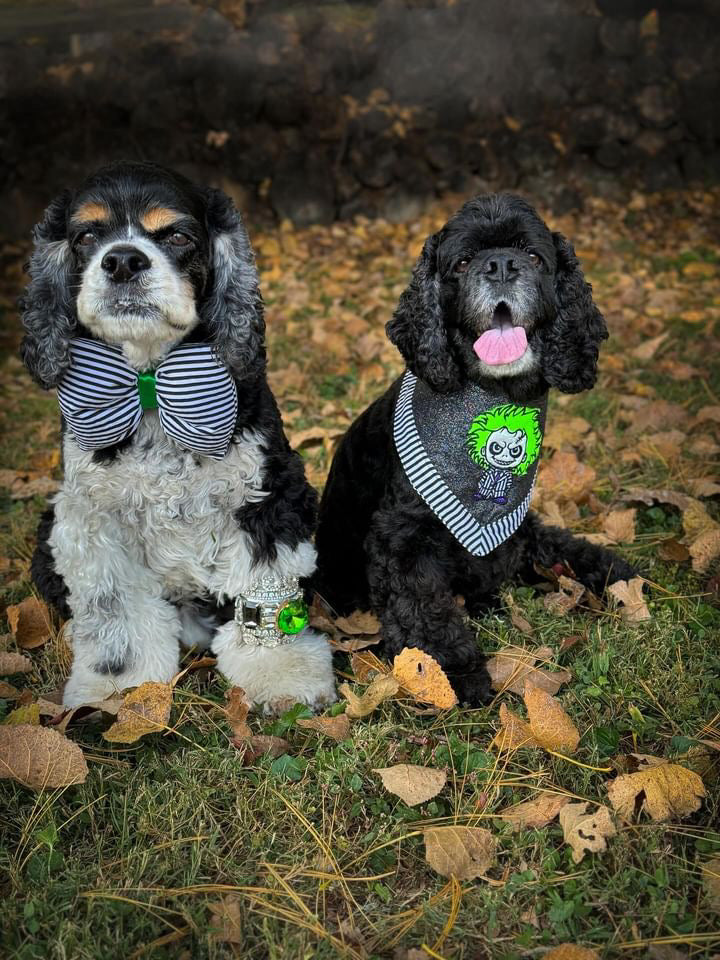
(506, 442)
(471, 455)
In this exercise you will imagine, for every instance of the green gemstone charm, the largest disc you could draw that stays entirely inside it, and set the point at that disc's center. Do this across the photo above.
(146, 390)
(293, 617)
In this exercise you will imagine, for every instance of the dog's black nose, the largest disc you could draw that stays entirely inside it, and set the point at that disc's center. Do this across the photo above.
(500, 267)
(124, 263)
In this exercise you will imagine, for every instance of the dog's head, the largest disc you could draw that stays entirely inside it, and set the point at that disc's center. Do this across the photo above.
(496, 296)
(141, 257)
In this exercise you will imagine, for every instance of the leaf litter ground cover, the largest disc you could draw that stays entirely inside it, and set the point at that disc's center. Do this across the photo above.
(577, 817)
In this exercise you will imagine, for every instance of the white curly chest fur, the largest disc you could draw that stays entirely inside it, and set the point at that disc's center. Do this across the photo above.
(138, 539)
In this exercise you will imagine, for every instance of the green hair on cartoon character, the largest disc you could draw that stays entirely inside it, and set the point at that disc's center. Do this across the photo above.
(506, 437)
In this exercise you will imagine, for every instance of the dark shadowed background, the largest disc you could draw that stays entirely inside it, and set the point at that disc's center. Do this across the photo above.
(324, 109)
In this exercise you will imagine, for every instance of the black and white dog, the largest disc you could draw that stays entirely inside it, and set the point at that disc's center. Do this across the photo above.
(181, 493)
(429, 490)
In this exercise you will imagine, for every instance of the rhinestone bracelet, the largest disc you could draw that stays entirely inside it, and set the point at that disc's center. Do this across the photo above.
(271, 612)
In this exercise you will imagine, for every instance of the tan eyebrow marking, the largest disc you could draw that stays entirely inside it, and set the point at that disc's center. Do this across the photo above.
(91, 212)
(159, 217)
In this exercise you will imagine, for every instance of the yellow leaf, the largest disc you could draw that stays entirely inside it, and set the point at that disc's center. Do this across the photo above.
(667, 790)
(144, 710)
(29, 714)
(570, 951)
(512, 666)
(423, 678)
(534, 813)
(586, 831)
(380, 689)
(411, 783)
(39, 757)
(461, 852)
(629, 594)
(337, 728)
(548, 725)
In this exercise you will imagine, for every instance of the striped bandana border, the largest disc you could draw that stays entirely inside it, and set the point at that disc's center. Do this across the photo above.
(479, 539)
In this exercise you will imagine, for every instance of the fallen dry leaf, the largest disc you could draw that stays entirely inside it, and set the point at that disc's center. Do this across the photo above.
(337, 728)
(8, 691)
(566, 432)
(630, 594)
(648, 349)
(411, 783)
(705, 550)
(520, 623)
(566, 598)
(260, 744)
(461, 852)
(571, 951)
(663, 789)
(39, 757)
(380, 689)
(512, 666)
(236, 711)
(619, 525)
(14, 663)
(30, 623)
(564, 477)
(144, 710)
(226, 924)
(364, 664)
(547, 726)
(29, 713)
(423, 678)
(673, 551)
(703, 487)
(359, 622)
(534, 813)
(586, 831)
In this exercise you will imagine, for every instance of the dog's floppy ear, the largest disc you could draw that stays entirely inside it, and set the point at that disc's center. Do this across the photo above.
(571, 343)
(418, 328)
(233, 307)
(47, 307)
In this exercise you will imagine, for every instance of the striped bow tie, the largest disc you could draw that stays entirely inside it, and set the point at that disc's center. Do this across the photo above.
(103, 398)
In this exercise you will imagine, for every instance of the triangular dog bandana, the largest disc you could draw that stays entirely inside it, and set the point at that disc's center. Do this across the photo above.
(472, 456)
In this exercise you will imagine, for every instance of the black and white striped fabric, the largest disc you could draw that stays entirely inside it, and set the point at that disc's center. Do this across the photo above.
(430, 432)
(196, 397)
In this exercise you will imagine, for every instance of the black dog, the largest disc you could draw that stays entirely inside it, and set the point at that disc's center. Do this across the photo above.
(497, 307)
(181, 494)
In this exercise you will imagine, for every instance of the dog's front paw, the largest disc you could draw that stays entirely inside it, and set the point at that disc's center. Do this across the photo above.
(297, 672)
(472, 688)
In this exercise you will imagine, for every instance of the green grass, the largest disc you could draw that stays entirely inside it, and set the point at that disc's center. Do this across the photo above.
(324, 862)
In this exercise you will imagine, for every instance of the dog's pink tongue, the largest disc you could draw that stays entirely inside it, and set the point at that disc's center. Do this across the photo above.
(501, 346)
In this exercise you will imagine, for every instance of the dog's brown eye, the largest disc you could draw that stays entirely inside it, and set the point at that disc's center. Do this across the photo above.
(462, 266)
(179, 240)
(86, 239)
(535, 259)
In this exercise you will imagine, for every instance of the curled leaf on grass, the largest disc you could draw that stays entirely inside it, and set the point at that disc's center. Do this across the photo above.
(662, 791)
(568, 595)
(547, 726)
(538, 812)
(365, 664)
(413, 784)
(144, 710)
(337, 728)
(513, 666)
(461, 852)
(629, 593)
(423, 678)
(39, 757)
(380, 689)
(585, 831)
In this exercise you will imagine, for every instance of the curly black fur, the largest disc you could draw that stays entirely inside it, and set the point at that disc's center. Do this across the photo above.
(380, 547)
